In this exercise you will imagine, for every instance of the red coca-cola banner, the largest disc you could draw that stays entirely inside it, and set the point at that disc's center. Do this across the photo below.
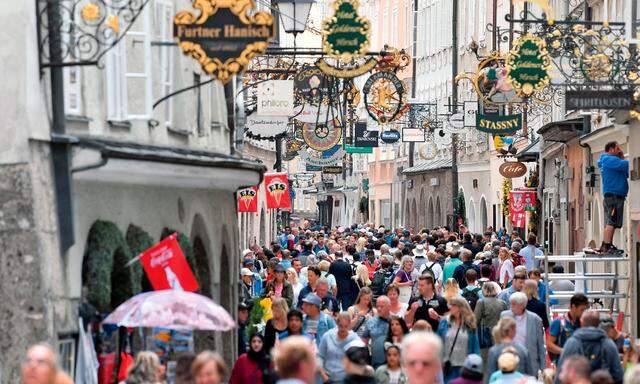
(167, 268)
(276, 187)
(248, 200)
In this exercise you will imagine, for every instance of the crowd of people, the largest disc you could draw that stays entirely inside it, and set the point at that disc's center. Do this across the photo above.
(477, 302)
(374, 305)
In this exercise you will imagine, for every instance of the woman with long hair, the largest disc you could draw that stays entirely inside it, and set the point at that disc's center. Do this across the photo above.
(252, 367)
(361, 277)
(451, 289)
(391, 372)
(397, 329)
(279, 287)
(534, 304)
(276, 325)
(459, 337)
(292, 278)
(397, 308)
(361, 311)
(404, 279)
(146, 369)
(503, 334)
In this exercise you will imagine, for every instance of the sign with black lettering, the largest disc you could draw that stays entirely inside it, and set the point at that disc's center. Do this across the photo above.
(599, 100)
(365, 138)
(332, 170)
(224, 35)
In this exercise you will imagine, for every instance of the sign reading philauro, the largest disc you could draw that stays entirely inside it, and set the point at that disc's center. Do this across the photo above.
(352, 149)
(499, 125)
(391, 136)
(384, 96)
(599, 100)
(346, 34)
(365, 138)
(225, 36)
(332, 170)
(275, 98)
(528, 65)
(512, 169)
(321, 137)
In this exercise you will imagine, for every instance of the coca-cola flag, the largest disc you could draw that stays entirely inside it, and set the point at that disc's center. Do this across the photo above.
(248, 200)
(167, 268)
(277, 190)
(517, 214)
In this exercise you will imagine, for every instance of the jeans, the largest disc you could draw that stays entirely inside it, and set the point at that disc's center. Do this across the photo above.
(345, 300)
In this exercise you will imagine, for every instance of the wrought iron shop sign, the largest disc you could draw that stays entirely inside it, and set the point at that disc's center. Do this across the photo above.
(498, 124)
(512, 169)
(321, 137)
(599, 100)
(528, 65)
(384, 96)
(224, 36)
(346, 34)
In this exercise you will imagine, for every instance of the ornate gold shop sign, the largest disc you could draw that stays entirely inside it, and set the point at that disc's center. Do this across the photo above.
(528, 65)
(224, 36)
(512, 169)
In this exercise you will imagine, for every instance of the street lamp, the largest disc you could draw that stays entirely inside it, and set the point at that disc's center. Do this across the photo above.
(294, 14)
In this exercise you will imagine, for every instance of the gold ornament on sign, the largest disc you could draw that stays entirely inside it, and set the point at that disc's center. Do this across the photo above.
(112, 22)
(90, 12)
(544, 4)
(597, 66)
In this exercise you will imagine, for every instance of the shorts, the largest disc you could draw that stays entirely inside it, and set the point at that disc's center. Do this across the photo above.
(614, 209)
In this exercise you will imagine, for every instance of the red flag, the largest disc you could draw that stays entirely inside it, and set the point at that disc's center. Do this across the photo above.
(167, 268)
(248, 200)
(277, 190)
(516, 208)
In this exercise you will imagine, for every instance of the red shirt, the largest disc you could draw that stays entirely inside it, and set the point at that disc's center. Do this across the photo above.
(245, 371)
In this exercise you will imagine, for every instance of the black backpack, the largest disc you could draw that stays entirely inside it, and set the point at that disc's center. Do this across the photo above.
(429, 269)
(472, 296)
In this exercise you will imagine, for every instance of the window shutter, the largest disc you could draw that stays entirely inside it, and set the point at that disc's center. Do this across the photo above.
(137, 68)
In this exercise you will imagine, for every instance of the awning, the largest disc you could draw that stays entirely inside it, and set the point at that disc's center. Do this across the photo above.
(561, 131)
(530, 153)
(134, 163)
(427, 166)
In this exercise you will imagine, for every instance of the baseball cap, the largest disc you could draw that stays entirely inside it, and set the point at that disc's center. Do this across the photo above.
(247, 261)
(313, 299)
(246, 272)
(473, 363)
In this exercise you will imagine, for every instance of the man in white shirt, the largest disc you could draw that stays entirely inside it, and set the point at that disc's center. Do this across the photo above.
(530, 252)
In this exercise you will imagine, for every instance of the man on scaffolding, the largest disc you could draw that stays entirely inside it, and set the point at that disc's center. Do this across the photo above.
(614, 170)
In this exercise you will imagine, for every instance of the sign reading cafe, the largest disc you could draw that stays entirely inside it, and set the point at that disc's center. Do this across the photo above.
(224, 36)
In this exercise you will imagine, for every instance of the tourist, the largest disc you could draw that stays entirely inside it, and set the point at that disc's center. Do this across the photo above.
(342, 272)
(504, 333)
(562, 328)
(534, 305)
(332, 349)
(208, 368)
(295, 361)
(427, 305)
(487, 312)
(404, 279)
(316, 323)
(376, 330)
(471, 372)
(575, 369)
(453, 262)
(517, 285)
(276, 325)
(421, 358)
(292, 278)
(506, 269)
(459, 337)
(329, 303)
(356, 365)
(451, 289)
(459, 273)
(40, 366)
(397, 308)
(397, 330)
(252, 365)
(391, 371)
(361, 311)
(279, 287)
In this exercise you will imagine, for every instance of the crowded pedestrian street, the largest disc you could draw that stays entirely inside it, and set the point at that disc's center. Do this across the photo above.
(320, 191)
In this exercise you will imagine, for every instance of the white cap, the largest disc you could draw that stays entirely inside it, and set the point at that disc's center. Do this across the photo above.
(246, 272)
(246, 252)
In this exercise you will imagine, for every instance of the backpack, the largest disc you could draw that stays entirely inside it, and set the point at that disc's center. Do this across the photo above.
(429, 269)
(379, 283)
(472, 296)
(593, 352)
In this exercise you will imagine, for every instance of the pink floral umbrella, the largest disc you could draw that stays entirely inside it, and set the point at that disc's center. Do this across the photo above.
(171, 309)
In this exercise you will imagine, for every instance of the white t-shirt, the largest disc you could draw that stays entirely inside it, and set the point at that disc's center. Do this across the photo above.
(402, 311)
(506, 269)
(394, 376)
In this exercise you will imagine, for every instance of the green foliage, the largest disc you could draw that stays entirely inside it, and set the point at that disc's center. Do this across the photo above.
(462, 208)
(103, 269)
(139, 241)
(507, 184)
(185, 246)
(255, 317)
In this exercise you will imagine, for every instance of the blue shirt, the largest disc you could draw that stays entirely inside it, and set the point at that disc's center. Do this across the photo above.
(529, 253)
(562, 329)
(332, 350)
(376, 330)
(325, 323)
(506, 293)
(614, 172)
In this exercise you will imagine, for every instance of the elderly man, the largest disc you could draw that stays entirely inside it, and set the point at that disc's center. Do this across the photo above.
(575, 370)
(329, 303)
(421, 358)
(294, 361)
(376, 330)
(529, 332)
(332, 348)
(39, 367)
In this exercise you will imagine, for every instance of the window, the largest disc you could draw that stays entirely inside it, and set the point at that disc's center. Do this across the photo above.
(394, 26)
(72, 90)
(385, 21)
(164, 14)
(129, 82)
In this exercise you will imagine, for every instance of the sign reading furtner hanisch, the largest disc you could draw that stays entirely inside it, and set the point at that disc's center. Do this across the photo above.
(499, 124)
(224, 36)
(599, 100)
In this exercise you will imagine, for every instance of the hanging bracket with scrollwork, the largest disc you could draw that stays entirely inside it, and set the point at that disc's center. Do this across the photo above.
(81, 32)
